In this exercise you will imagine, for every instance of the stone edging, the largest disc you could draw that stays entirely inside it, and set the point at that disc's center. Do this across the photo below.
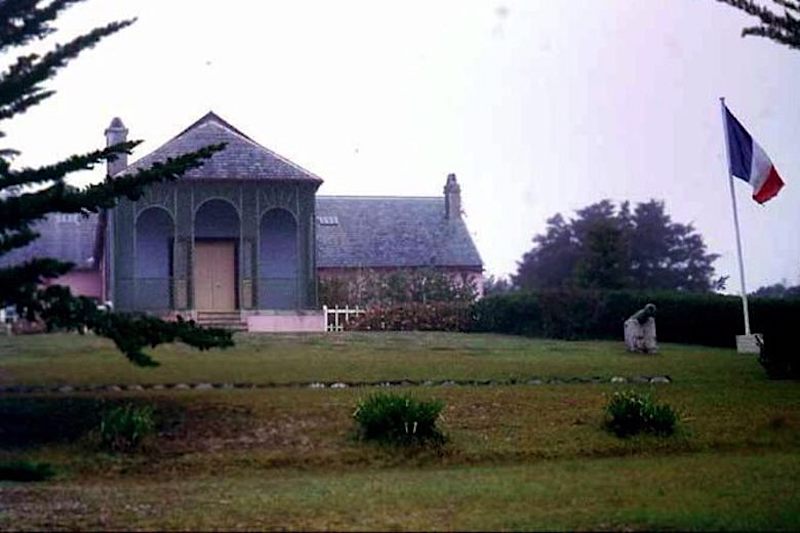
(33, 389)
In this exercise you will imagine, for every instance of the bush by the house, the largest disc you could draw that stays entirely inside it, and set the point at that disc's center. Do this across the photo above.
(123, 428)
(25, 471)
(380, 288)
(630, 412)
(438, 316)
(398, 419)
(707, 319)
(779, 354)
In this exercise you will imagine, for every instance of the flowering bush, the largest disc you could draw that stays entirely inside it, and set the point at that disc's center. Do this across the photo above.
(380, 288)
(629, 413)
(439, 316)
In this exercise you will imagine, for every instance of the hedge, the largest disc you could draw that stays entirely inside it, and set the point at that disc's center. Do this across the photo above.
(706, 319)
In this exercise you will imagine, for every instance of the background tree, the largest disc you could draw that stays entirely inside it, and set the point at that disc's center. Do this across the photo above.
(494, 285)
(27, 195)
(783, 28)
(605, 247)
(778, 290)
(552, 260)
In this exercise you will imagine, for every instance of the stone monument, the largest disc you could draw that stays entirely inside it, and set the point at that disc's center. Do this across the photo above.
(640, 331)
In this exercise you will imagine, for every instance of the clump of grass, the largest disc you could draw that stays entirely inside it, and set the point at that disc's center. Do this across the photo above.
(25, 471)
(123, 428)
(399, 419)
(630, 413)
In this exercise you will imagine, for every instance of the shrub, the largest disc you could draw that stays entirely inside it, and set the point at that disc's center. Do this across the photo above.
(398, 419)
(25, 471)
(629, 413)
(779, 355)
(387, 288)
(124, 427)
(416, 317)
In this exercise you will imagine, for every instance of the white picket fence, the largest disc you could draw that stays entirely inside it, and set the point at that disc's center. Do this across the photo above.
(337, 317)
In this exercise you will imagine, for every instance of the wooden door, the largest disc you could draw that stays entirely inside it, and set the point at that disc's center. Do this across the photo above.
(215, 276)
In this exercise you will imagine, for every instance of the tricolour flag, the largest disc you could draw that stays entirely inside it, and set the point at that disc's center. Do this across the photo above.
(748, 161)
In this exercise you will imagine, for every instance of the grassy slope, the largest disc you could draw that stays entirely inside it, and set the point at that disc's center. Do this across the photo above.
(358, 356)
(519, 457)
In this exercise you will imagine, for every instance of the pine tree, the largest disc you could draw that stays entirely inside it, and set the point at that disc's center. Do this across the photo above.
(27, 195)
(781, 28)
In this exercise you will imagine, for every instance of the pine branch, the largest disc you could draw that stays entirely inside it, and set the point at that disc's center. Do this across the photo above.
(130, 332)
(19, 283)
(17, 212)
(57, 171)
(20, 85)
(783, 29)
(16, 239)
(21, 21)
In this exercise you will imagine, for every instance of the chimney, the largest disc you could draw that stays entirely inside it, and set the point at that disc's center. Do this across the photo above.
(452, 198)
(115, 134)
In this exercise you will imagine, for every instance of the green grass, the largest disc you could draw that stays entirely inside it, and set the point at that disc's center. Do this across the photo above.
(72, 359)
(517, 457)
(700, 492)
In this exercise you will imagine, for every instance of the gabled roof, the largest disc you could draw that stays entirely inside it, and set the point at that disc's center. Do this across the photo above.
(243, 158)
(71, 238)
(365, 231)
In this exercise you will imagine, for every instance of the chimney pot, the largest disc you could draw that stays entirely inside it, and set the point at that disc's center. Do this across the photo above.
(452, 198)
(116, 133)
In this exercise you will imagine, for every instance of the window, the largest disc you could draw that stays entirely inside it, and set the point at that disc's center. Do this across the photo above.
(328, 220)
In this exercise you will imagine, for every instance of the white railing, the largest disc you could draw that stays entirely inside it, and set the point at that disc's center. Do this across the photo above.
(337, 317)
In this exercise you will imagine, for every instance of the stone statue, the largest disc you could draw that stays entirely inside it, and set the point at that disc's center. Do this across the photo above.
(640, 331)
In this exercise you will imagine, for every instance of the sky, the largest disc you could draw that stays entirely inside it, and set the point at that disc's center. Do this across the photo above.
(539, 107)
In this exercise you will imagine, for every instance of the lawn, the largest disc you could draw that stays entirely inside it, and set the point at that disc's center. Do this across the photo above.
(518, 456)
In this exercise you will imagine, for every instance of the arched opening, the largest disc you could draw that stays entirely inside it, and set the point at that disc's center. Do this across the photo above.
(278, 261)
(153, 260)
(216, 242)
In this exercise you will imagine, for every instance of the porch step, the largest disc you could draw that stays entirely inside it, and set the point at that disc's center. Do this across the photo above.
(222, 319)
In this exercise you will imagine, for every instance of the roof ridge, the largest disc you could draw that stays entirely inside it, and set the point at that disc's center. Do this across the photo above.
(208, 117)
(378, 197)
(211, 117)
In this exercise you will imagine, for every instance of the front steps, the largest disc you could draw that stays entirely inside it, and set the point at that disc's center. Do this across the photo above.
(231, 320)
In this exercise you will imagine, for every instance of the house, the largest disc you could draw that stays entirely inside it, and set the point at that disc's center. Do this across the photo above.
(244, 237)
(363, 234)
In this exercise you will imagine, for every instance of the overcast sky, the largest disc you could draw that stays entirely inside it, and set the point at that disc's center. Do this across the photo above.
(539, 107)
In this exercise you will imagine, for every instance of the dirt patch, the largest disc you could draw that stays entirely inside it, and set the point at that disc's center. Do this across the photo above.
(209, 428)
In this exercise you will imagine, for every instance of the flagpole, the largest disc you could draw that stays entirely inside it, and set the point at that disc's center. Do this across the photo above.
(735, 219)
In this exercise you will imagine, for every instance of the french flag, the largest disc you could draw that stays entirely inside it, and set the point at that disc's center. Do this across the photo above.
(749, 162)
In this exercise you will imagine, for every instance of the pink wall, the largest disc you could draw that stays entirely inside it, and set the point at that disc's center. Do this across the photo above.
(288, 322)
(82, 282)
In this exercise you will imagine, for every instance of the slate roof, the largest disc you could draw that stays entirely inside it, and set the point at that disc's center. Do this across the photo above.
(69, 238)
(391, 232)
(243, 158)
(355, 232)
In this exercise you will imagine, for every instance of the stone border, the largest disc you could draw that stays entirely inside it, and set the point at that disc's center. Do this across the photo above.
(66, 389)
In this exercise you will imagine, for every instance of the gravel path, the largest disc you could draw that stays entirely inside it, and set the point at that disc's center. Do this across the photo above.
(533, 381)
